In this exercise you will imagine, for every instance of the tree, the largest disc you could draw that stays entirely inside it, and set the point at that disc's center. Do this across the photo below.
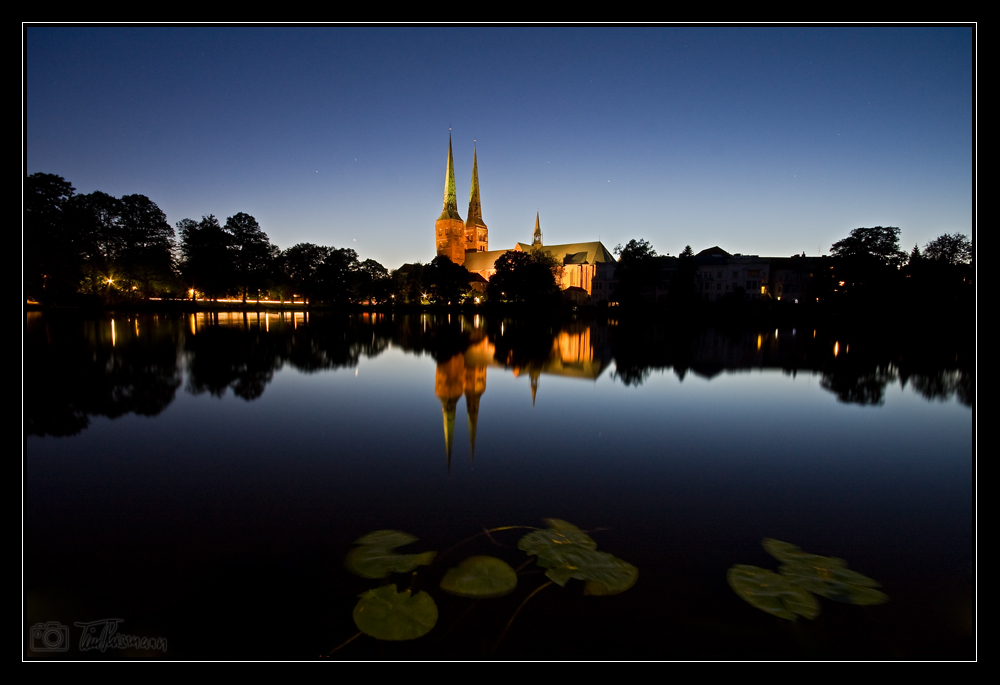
(952, 249)
(408, 283)
(528, 277)
(336, 275)
(205, 258)
(147, 246)
(637, 272)
(683, 287)
(300, 265)
(250, 250)
(867, 263)
(371, 282)
(879, 244)
(52, 256)
(126, 245)
(447, 281)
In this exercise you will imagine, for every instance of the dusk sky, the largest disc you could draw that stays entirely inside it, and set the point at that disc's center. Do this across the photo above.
(767, 141)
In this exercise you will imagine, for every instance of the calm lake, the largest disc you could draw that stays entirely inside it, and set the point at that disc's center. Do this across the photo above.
(201, 477)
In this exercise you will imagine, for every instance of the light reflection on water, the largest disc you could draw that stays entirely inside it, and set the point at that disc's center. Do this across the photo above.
(244, 455)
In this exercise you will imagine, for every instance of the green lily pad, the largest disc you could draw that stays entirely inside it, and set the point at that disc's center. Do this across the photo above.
(834, 582)
(773, 593)
(375, 557)
(386, 614)
(791, 554)
(386, 538)
(609, 575)
(559, 535)
(480, 577)
(825, 576)
(567, 552)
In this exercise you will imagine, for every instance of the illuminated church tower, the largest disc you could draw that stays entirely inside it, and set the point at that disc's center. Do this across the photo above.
(449, 229)
(476, 234)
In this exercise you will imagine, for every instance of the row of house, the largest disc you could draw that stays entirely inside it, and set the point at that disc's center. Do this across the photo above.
(720, 275)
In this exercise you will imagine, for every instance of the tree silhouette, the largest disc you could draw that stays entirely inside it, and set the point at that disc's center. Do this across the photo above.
(879, 244)
(205, 257)
(637, 271)
(524, 277)
(955, 249)
(300, 265)
(447, 282)
(52, 251)
(250, 250)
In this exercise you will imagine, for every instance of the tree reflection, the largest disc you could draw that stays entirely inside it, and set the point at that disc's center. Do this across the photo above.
(76, 368)
(109, 367)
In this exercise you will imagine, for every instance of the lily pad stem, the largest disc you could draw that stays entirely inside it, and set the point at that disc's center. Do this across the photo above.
(511, 621)
(485, 532)
(345, 643)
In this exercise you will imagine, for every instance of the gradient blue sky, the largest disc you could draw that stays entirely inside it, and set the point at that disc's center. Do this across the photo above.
(768, 141)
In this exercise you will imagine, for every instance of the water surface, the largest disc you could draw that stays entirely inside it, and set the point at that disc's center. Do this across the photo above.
(202, 477)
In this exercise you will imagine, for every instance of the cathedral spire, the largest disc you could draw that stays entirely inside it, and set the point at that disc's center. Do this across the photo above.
(449, 208)
(537, 238)
(475, 216)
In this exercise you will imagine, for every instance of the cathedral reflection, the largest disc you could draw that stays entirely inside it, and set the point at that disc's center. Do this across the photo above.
(571, 354)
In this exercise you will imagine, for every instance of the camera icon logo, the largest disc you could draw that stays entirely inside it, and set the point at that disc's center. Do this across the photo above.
(51, 636)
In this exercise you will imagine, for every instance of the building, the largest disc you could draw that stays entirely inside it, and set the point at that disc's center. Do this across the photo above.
(467, 242)
(721, 274)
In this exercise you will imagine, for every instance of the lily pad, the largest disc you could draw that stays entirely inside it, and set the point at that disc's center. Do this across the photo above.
(375, 557)
(773, 593)
(567, 552)
(480, 577)
(559, 535)
(825, 576)
(791, 554)
(609, 575)
(834, 582)
(385, 614)
(386, 538)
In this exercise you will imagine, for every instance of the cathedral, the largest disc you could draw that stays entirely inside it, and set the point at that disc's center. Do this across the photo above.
(467, 243)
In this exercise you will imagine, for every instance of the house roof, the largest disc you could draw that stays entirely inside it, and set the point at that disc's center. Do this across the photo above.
(714, 251)
(575, 253)
(482, 261)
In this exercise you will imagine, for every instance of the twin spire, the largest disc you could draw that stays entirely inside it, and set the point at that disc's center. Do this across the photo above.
(449, 208)
(454, 237)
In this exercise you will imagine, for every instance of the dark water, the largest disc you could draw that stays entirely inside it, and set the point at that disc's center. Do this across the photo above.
(201, 478)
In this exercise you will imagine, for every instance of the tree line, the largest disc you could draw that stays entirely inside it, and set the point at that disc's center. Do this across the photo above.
(98, 248)
(102, 249)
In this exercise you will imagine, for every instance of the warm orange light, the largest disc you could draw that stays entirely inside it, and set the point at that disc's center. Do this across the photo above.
(836, 348)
